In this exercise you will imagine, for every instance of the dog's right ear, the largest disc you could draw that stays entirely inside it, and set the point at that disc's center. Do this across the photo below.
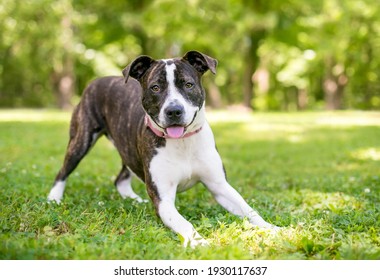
(138, 68)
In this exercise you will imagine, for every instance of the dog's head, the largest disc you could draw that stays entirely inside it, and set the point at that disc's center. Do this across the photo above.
(173, 96)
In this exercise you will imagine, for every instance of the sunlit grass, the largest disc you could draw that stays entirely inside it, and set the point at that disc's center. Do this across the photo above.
(372, 153)
(315, 174)
(30, 115)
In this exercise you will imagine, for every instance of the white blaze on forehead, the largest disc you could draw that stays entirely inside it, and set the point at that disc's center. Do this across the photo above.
(170, 68)
(174, 96)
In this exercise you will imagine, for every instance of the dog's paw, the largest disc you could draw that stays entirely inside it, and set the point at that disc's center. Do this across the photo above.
(271, 228)
(56, 192)
(137, 199)
(194, 241)
(256, 220)
(127, 192)
(274, 229)
(198, 242)
(52, 199)
(140, 200)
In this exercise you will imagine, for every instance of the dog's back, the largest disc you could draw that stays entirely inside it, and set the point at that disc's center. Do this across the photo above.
(110, 94)
(111, 108)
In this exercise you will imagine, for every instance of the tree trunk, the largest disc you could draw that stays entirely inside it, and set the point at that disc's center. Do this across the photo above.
(334, 91)
(64, 86)
(214, 97)
(247, 80)
(63, 76)
(302, 99)
(251, 64)
(334, 85)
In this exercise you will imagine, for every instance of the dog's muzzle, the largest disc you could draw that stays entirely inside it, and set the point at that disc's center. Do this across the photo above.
(171, 132)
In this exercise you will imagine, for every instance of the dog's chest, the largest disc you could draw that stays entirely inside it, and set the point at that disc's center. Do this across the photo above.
(179, 162)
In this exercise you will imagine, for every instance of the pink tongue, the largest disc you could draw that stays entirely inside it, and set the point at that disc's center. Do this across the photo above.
(175, 131)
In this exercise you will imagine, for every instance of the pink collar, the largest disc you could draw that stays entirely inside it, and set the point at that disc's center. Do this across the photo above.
(162, 134)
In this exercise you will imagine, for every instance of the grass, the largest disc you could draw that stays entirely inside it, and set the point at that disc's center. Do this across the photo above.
(316, 174)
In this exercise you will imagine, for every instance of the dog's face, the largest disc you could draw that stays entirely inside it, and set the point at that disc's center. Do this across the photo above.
(173, 96)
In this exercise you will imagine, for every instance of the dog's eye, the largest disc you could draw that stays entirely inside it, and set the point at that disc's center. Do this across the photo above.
(189, 85)
(155, 88)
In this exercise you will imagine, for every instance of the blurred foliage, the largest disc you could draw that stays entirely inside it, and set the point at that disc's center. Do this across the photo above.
(273, 55)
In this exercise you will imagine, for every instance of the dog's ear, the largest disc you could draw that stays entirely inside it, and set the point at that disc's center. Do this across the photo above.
(201, 62)
(138, 67)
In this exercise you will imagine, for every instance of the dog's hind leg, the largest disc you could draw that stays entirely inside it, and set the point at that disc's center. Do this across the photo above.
(124, 186)
(82, 138)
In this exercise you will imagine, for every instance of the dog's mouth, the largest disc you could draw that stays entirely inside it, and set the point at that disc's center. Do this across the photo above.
(178, 131)
(175, 131)
(172, 131)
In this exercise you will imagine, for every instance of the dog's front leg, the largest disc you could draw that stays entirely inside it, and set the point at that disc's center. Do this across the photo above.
(175, 221)
(233, 202)
(164, 200)
(214, 178)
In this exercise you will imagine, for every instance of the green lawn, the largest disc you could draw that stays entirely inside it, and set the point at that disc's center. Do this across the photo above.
(315, 174)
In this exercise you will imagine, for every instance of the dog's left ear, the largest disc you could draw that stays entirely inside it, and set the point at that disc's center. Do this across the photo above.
(138, 67)
(201, 62)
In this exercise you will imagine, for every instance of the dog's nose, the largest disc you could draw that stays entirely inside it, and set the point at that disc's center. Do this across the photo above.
(174, 112)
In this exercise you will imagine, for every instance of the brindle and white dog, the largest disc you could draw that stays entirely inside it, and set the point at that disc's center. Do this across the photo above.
(155, 117)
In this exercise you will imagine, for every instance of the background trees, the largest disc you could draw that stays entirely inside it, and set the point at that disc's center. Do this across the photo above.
(274, 55)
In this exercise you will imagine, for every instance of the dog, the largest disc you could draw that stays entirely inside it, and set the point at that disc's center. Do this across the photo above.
(155, 117)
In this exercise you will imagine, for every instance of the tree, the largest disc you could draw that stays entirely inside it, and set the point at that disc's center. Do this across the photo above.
(273, 55)
(63, 76)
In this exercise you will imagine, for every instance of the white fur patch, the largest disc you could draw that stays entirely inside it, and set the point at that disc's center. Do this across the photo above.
(124, 187)
(175, 97)
(56, 193)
